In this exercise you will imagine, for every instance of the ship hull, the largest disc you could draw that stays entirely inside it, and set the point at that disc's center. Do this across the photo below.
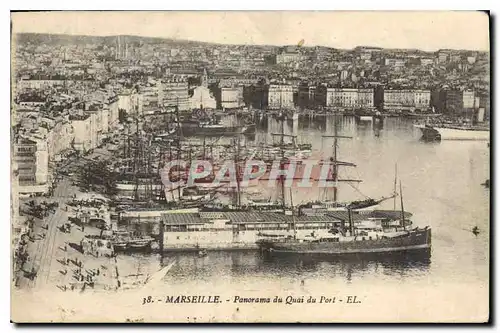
(134, 248)
(443, 133)
(415, 241)
(416, 255)
(193, 130)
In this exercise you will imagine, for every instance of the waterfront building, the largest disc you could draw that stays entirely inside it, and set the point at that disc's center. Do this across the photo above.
(484, 103)
(307, 97)
(104, 120)
(151, 97)
(349, 97)
(32, 159)
(406, 99)
(113, 113)
(280, 96)
(231, 97)
(59, 138)
(457, 101)
(130, 102)
(25, 158)
(469, 98)
(175, 93)
(82, 129)
(14, 203)
(237, 81)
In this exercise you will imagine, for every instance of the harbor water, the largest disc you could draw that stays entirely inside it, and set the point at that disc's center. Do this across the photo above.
(441, 186)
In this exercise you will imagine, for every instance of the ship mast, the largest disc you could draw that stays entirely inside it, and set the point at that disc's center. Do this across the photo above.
(179, 136)
(402, 208)
(237, 171)
(335, 163)
(282, 151)
(395, 184)
(335, 167)
(293, 216)
(137, 156)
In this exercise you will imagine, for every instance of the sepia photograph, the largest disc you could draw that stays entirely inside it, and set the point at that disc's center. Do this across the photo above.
(250, 167)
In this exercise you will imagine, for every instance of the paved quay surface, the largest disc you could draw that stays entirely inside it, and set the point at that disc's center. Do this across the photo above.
(54, 254)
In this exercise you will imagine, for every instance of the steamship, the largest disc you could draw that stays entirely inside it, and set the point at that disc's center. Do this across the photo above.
(358, 233)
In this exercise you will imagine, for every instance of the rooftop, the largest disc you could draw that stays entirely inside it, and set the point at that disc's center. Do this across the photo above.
(78, 116)
(240, 217)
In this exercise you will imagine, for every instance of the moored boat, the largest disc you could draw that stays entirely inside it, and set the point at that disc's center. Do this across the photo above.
(450, 132)
(376, 243)
(362, 235)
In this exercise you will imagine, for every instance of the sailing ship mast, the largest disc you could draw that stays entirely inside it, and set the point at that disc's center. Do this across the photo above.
(402, 208)
(335, 163)
(395, 184)
(237, 170)
(282, 157)
(293, 216)
(335, 167)
(179, 137)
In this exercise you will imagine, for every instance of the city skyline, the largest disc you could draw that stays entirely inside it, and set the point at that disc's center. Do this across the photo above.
(427, 31)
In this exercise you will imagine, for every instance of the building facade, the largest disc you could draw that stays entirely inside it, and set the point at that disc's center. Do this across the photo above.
(130, 102)
(394, 62)
(60, 138)
(427, 61)
(113, 113)
(25, 158)
(407, 99)
(287, 57)
(307, 96)
(280, 96)
(175, 93)
(32, 159)
(39, 84)
(231, 97)
(349, 97)
(457, 101)
(82, 129)
(151, 98)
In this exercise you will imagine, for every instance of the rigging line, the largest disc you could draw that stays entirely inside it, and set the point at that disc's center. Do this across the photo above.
(357, 190)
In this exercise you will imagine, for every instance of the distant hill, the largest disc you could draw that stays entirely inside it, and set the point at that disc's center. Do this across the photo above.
(61, 39)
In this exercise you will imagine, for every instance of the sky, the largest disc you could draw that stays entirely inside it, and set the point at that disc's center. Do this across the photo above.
(429, 31)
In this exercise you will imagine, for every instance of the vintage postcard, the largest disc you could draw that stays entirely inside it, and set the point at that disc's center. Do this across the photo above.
(250, 167)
